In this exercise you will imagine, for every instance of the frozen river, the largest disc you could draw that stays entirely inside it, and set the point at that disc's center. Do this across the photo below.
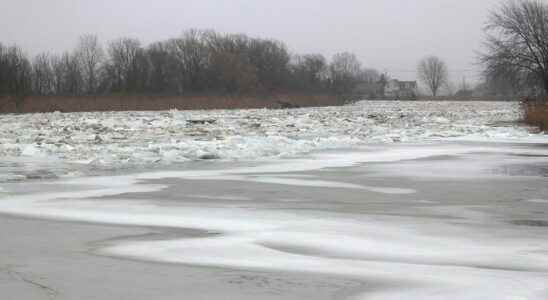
(376, 200)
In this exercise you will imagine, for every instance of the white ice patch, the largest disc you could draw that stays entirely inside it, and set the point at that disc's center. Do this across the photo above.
(538, 201)
(30, 150)
(228, 198)
(303, 182)
(329, 184)
(414, 265)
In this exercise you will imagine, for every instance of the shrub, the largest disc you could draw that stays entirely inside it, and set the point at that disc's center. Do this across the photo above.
(536, 114)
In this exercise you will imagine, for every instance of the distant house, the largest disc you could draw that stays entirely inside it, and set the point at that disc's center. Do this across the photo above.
(396, 89)
(391, 89)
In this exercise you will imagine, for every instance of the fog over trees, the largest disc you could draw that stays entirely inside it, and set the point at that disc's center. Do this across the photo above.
(196, 62)
(199, 62)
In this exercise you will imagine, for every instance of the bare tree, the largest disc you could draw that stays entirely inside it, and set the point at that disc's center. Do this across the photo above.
(17, 74)
(309, 71)
(369, 75)
(230, 67)
(3, 70)
(191, 55)
(59, 72)
(73, 80)
(432, 71)
(344, 72)
(517, 42)
(162, 69)
(198, 61)
(505, 82)
(235, 74)
(43, 78)
(123, 69)
(90, 56)
(271, 59)
(345, 65)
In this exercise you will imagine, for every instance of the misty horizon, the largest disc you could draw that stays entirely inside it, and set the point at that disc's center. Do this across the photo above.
(391, 36)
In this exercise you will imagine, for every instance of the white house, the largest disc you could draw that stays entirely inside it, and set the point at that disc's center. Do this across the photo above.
(396, 89)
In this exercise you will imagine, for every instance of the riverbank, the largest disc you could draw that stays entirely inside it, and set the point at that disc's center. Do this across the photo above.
(40, 104)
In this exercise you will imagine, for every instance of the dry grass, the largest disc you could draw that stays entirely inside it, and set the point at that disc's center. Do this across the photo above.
(536, 114)
(128, 103)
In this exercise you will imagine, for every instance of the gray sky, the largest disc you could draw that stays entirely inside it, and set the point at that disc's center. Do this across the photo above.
(390, 35)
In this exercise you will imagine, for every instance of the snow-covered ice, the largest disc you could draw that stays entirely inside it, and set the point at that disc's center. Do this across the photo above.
(418, 246)
(417, 258)
(76, 142)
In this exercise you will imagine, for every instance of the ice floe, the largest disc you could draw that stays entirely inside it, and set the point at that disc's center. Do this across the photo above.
(98, 140)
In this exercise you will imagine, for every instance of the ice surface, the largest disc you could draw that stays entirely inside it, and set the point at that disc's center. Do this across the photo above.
(78, 142)
(416, 261)
(412, 257)
(415, 258)
(538, 201)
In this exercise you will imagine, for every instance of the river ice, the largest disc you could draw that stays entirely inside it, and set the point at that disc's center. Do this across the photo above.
(57, 144)
(433, 200)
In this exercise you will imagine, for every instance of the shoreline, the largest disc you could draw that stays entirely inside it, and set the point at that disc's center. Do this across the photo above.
(144, 103)
(123, 103)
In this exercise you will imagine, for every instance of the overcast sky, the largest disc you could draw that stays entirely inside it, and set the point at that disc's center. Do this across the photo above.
(390, 35)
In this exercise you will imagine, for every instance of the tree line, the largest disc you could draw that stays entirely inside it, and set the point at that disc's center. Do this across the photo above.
(196, 62)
